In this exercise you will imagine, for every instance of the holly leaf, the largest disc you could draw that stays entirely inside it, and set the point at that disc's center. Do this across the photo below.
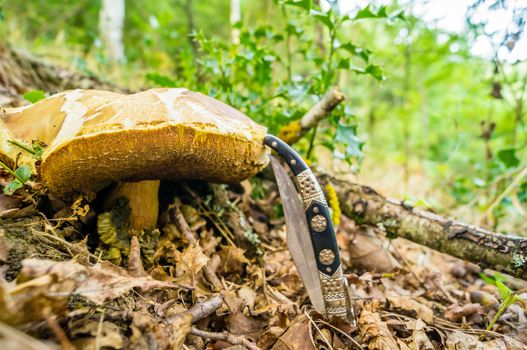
(323, 17)
(357, 51)
(508, 157)
(347, 136)
(34, 95)
(375, 71)
(368, 13)
(305, 4)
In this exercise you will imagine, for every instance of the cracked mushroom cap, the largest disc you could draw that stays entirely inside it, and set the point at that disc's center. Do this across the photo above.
(96, 137)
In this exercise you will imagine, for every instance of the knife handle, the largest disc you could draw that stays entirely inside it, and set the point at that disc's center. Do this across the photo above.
(334, 284)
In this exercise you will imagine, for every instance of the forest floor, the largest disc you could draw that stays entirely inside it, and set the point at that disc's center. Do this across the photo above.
(217, 274)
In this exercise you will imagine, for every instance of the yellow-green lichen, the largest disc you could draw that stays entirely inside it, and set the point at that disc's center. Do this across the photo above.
(334, 204)
(290, 132)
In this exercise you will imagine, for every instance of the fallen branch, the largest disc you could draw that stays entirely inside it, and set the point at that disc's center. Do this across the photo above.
(230, 338)
(503, 253)
(293, 131)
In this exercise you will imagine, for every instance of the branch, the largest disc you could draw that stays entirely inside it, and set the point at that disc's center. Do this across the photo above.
(293, 131)
(230, 338)
(200, 310)
(503, 253)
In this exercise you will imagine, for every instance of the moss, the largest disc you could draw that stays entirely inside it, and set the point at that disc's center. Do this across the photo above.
(113, 228)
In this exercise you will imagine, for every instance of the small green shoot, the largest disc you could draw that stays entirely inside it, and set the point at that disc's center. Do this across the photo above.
(507, 296)
(36, 148)
(21, 175)
(34, 95)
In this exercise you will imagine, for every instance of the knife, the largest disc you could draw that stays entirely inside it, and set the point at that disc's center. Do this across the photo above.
(310, 234)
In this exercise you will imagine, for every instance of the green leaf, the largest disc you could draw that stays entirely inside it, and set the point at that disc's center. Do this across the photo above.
(161, 80)
(503, 290)
(488, 279)
(368, 13)
(375, 71)
(34, 95)
(347, 135)
(357, 51)
(344, 63)
(2, 16)
(23, 172)
(38, 148)
(305, 4)
(323, 17)
(372, 69)
(508, 157)
(12, 186)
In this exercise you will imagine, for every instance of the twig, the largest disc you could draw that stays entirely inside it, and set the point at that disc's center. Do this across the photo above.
(230, 338)
(135, 264)
(200, 310)
(16, 338)
(293, 131)
(99, 332)
(59, 332)
(177, 216)
(319, 331)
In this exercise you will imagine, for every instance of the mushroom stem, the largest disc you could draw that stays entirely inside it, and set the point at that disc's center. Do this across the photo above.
(143, 200)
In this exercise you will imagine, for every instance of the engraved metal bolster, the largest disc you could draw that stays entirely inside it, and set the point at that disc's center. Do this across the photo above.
(321, 231)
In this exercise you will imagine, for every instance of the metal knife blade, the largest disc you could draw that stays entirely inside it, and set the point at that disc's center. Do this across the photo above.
(298, 239)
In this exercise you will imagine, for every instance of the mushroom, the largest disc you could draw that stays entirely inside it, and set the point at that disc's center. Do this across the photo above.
(95, 138)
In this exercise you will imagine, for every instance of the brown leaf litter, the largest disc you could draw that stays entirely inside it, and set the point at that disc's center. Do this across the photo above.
(194, 284)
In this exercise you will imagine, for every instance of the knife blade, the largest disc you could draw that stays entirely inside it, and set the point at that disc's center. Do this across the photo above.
(298, 240)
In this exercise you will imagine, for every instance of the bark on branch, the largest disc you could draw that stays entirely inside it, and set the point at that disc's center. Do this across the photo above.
(503, 253)
(293, 131)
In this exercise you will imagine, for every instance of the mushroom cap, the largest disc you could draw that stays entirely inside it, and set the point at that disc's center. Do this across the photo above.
(96, 137)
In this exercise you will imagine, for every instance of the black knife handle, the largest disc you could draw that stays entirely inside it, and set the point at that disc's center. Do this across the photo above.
(321, 231)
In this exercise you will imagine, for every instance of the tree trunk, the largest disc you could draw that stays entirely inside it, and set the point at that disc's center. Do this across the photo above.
(503, 253)
(235, 17)
(111, 22)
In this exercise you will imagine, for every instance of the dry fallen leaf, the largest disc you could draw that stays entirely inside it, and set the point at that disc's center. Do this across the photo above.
(458, 340)
(375, 332)
(232, 259)
(99, 283)
(190, 263)
(414, 307)
(420, 340)
(296, 337)
(92, 334)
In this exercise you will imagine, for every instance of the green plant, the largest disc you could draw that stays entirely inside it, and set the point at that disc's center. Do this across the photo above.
(21, 175)
(34, 95)
(507, 296)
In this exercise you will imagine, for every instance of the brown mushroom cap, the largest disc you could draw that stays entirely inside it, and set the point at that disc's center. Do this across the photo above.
(96, 137)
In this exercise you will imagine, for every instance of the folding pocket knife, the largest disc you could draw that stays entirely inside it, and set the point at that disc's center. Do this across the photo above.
(310, 234)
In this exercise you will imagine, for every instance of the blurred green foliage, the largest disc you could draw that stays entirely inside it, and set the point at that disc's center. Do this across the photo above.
(419, 103)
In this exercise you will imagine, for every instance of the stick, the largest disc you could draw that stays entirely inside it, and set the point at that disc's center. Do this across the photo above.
(293, 131)
(230, 338)
(200, 310)
(503, 253)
